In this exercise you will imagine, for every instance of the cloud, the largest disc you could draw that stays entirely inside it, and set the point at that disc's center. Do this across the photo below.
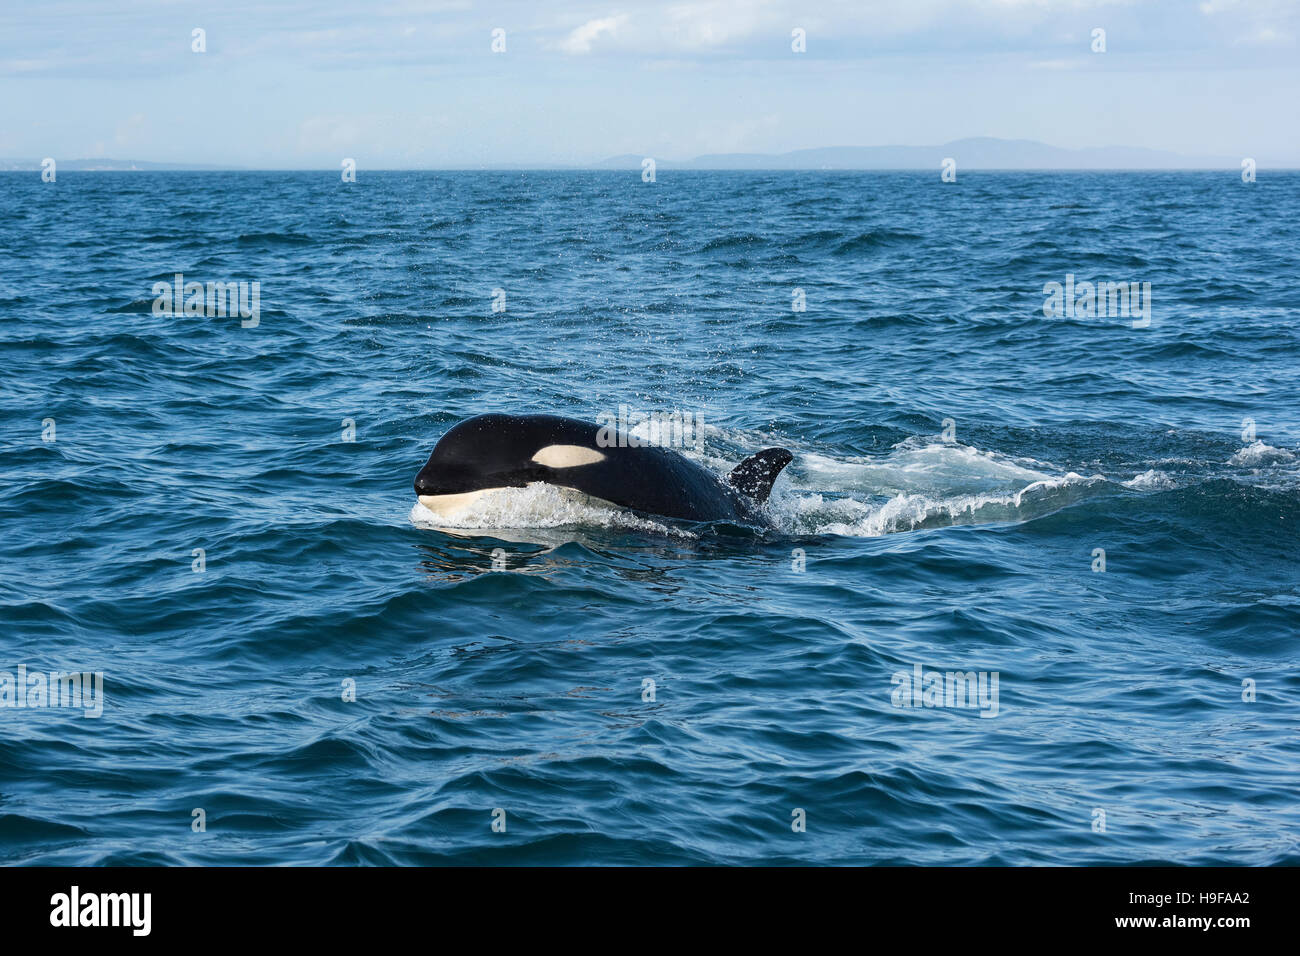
(692, 27)
(716, 22)
(581, 39)
(1267, 23)
(704, 28)
(1266, 36)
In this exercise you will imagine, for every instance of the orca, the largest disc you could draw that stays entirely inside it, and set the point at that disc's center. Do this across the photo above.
(489, 452)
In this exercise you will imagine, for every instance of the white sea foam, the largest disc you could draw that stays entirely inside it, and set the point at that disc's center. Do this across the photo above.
(937, 468)
(1257, 453)
(1150, 480)
(536, 506)
(920, 483)
(795, 511)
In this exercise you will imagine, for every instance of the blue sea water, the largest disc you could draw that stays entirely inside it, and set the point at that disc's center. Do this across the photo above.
(959, 460)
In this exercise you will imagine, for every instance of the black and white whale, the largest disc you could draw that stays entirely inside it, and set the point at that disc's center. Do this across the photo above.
(490, 452)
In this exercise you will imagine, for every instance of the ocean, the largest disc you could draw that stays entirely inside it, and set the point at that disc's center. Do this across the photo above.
(1030, 593)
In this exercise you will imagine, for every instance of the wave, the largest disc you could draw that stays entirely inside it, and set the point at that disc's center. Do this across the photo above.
(1258, 453)
(1150, 479)
(275, 239)
(869, 241)
(819, 514)
(741, 241)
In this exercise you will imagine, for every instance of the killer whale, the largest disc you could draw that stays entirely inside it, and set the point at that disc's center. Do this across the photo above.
(494, 451)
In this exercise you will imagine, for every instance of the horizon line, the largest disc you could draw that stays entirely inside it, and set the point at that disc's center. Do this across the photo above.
(162, 167)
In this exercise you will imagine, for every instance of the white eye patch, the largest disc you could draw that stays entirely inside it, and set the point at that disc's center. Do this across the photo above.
(567, 456)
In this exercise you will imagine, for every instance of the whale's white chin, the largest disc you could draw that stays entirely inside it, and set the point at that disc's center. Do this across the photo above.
(453, 507)
(450, 506)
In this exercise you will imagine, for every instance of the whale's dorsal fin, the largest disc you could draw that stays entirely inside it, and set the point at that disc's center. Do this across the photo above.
(754, 475)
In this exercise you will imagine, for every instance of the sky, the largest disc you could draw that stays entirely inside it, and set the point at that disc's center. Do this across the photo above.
(409, 84)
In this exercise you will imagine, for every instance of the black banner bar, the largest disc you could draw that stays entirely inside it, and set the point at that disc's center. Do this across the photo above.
(328, 906)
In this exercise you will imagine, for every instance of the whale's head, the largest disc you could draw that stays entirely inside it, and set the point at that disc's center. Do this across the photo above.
(490, 452)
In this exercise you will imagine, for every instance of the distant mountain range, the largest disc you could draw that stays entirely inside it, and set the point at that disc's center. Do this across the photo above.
(977, 153)
(983, 152)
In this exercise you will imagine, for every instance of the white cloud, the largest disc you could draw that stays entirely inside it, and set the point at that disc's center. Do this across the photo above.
(694, 27)
(581, 39)
(714, 22)
(1266, 36)
(1266, 22)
